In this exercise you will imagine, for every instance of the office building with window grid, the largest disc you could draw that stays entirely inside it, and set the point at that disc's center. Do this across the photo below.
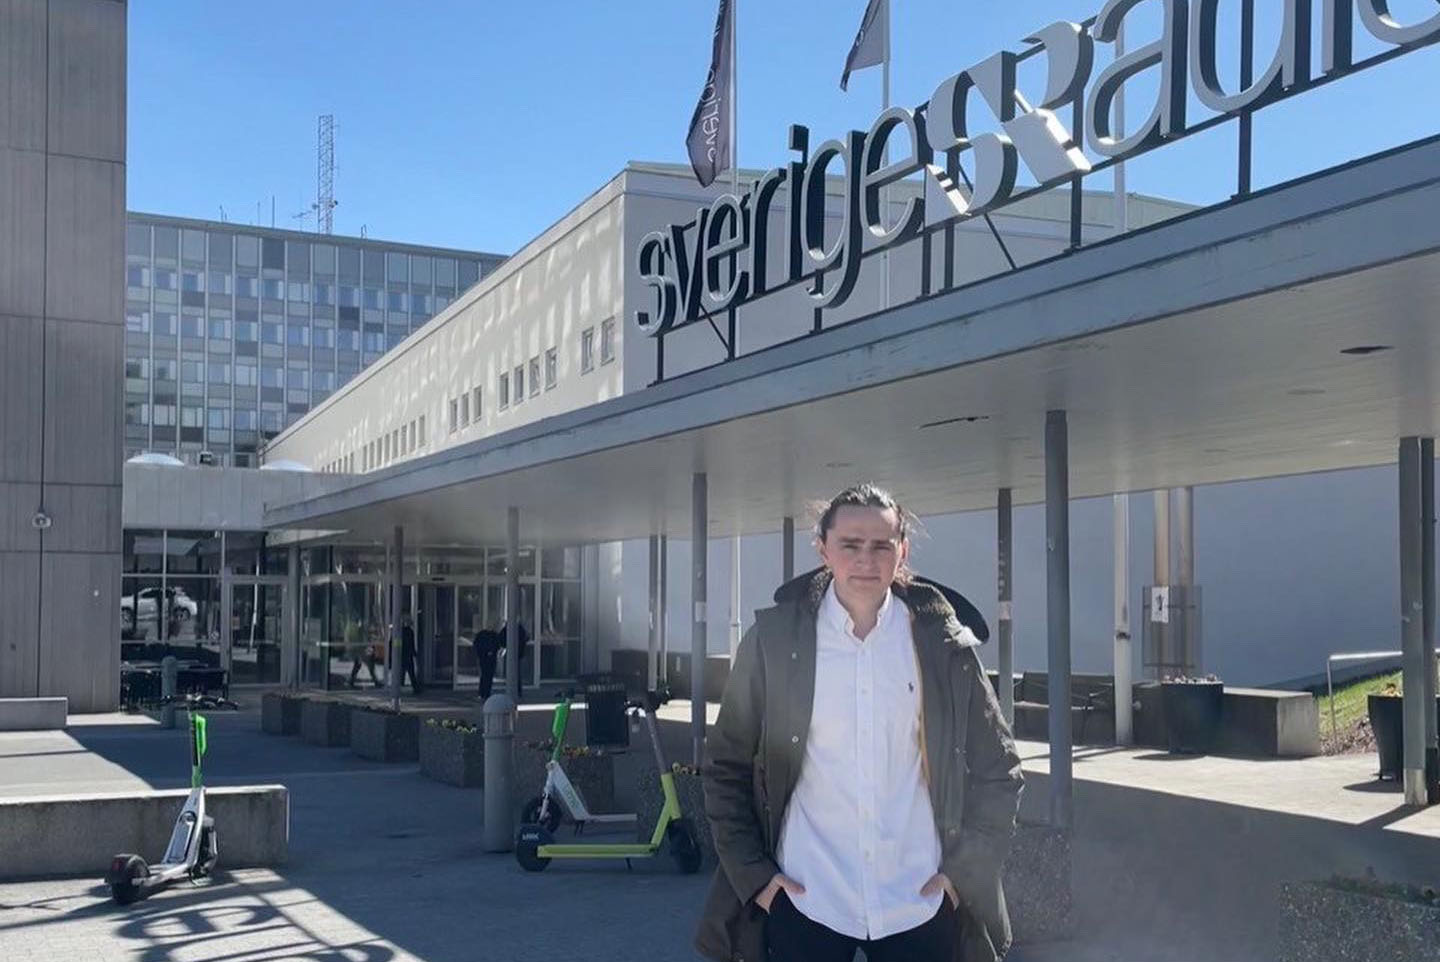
(234, 332)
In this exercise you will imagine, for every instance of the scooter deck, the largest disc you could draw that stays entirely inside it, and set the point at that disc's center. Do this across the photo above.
(574, 850)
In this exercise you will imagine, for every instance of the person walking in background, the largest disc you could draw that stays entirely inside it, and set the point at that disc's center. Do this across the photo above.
(860, 781)
(359, 651)
(407, 654)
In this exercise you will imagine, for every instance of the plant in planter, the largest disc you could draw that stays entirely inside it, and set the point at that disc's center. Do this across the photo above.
(452, 752)
(1350, 920)
(1386, 710)
(385, 735)
(1193, 710)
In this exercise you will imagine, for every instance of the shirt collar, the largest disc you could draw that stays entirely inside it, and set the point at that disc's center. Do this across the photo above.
(835, 614)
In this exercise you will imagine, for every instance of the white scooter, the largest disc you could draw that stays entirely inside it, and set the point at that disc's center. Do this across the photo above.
(560, 796)
(193, 849)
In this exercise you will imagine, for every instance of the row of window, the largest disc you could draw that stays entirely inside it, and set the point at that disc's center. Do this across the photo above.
(386, 449)
(188, 247)
(141, 413)
(295, 376)
(139, 278)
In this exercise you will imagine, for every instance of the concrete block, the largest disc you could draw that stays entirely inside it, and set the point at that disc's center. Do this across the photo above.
(280, 712)
(80, 622)
(325, 723)
(22, 359)
(452, 756)
(87, 78)
(77, 835)
(22, 233)
(84, 517)
(85, 240)
(33, 714)
(19, 623)
(383, 736)
(22, 82)
(84, 416)
(1270, 723)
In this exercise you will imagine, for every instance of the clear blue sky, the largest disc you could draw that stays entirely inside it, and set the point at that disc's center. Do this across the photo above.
(477, 124)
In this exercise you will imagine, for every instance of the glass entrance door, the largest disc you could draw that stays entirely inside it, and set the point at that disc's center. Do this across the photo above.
(257, 618)
(435, 633)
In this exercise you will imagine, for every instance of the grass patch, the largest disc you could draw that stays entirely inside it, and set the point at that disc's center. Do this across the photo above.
(1350, 701)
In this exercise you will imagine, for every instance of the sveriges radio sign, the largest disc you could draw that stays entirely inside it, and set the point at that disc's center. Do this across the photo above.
(688, 266)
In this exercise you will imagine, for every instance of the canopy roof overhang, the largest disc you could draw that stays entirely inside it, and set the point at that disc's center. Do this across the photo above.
(1201, 350)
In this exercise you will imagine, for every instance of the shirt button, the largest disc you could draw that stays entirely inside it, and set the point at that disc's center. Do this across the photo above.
(794, 739)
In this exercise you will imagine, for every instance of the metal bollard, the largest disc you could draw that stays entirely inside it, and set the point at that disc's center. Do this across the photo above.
(499, 728)
(169, 679)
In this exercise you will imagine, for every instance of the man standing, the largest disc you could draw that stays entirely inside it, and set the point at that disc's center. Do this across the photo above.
(407, 654)
(860, 781)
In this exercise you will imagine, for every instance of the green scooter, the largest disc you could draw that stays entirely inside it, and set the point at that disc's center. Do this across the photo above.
(535, 845)
(193, 849)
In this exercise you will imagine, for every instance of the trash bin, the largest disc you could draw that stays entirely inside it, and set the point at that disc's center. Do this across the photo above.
(605, 725)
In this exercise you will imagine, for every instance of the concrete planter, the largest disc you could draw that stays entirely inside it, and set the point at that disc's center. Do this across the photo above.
(325, 723)
(1037, 884)
(1332, 921)
(691, 791)
(280, 712)
(593, 775)
(452, 756)
(383, 736)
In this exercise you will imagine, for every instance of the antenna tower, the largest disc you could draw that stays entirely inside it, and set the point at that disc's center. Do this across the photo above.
(325, 201)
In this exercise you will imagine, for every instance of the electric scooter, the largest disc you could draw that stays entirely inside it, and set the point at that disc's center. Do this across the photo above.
(560, 796)
(535, 845)
(193, 849)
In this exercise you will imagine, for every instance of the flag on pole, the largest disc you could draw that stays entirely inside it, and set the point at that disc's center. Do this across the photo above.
(872, 43)
(709, 140)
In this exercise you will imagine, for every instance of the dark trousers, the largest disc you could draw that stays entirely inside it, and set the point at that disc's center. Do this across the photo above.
(369, 661)
(486, 657)
(407, 667)
(793, 937)
(488, 660)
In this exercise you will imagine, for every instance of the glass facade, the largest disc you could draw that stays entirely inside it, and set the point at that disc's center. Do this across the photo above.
(233, 333)
(450, 595)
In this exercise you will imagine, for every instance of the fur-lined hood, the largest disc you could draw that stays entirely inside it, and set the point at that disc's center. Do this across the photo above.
(925, 598)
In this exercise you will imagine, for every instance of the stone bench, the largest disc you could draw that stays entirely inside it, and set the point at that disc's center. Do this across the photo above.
(1270, 723)
(76, 835)
(33, 714)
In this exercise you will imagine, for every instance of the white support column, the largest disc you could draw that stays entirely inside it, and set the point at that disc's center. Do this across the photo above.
(1185, 571)
(653, 639)
(664, 671)
(736, 622)
(393, 668)
(1427, 541)
(699, 594)
(512, 605)
(1057, 583)
(1004, 628)
(787, 550)
(1415, 661)
(1124, 659)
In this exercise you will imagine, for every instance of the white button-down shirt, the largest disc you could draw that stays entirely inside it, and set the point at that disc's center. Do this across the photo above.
(859, 832)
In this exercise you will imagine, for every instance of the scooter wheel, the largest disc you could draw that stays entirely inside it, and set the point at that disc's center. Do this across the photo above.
(684, 847)
(530, 814)
(127, 878)
(527, 845)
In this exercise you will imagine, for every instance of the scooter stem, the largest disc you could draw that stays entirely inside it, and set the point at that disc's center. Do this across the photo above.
(198, 745)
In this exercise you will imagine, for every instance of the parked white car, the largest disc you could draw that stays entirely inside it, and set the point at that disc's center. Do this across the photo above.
(140, 613)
